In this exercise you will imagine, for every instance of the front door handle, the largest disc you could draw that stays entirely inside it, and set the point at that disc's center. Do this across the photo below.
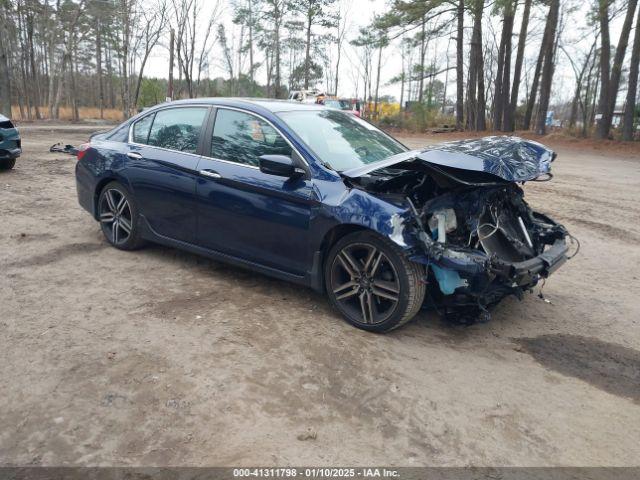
(134, 155)
(210, 174)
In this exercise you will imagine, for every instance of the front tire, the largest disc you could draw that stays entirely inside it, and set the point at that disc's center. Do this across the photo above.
(118, 217)
(7, 163)
(371, 283)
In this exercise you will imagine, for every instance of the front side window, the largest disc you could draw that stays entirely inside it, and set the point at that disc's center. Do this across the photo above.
(242, 138)
(177, 128)
(340, 139)
(141, 129)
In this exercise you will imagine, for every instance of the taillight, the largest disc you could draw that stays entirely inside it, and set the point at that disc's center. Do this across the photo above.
(82, 150)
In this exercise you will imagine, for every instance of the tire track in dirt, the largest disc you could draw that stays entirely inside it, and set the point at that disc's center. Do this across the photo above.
(607, 366)
(57, 254)
(605, 230)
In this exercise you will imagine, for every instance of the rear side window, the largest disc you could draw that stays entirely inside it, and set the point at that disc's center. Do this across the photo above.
(120, 134)
(141, 129)
(177, 128)
(242, 138)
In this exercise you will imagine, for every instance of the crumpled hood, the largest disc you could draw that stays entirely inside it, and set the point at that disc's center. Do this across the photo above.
(513, 159)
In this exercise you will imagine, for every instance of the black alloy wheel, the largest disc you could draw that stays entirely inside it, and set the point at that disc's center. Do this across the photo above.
(118, 217)
(369, 280)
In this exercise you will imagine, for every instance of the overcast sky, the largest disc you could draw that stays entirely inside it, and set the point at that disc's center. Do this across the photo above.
(575, 38)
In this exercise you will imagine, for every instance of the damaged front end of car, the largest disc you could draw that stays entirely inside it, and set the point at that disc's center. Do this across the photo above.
(483, 244)
(467, 220)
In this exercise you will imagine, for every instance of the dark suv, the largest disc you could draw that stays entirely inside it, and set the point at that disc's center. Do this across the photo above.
(10, 144)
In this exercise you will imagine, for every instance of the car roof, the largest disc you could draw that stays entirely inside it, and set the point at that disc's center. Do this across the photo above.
(255, 104)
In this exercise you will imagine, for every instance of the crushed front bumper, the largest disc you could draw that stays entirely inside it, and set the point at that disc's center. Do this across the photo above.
(543, 265)
(464, 278)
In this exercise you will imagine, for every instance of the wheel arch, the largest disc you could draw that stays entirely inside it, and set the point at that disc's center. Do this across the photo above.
(103, 182)
(408, 273)
(329, 239)
(336, 233)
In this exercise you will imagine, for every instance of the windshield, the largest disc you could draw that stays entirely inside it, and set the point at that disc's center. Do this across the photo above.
(341, 140)
(339, 104)
(332, 104)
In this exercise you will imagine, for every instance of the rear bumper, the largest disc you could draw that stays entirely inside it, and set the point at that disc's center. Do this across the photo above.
(85, 188)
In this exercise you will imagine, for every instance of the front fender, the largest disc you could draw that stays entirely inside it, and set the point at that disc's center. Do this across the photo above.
(385, 215)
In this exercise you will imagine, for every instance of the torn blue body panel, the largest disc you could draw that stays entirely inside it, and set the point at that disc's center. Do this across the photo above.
(385, 214)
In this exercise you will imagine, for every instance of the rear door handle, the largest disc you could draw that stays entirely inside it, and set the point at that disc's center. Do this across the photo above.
(210, 173)
(134, 155)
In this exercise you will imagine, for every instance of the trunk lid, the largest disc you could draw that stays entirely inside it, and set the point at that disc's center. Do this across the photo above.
(512, 159)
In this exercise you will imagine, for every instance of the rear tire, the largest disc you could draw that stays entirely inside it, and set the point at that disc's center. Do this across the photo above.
(371, 283)
(119, 218)
(7, 163)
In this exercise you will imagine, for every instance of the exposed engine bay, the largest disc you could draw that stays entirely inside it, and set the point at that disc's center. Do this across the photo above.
(478, 238)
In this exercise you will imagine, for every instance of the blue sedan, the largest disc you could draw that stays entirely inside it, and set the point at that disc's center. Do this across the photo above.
(323, 198)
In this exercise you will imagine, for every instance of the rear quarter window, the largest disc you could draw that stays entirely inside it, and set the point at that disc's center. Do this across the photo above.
(120, 134)
(177, 128)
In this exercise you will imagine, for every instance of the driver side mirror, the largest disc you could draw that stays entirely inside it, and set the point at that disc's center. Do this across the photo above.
(280, 165)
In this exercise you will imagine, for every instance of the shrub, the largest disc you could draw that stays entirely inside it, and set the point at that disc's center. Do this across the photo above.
(417, 119)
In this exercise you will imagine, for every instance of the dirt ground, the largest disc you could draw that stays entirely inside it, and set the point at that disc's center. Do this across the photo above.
(159, 357)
